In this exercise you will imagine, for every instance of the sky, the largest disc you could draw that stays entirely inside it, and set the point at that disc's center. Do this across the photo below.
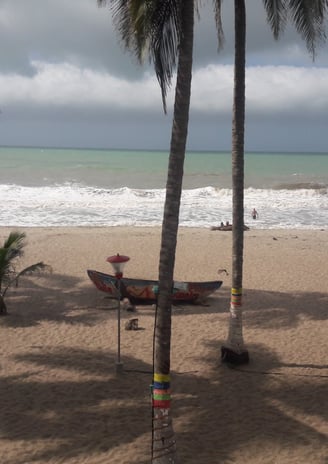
(67, 81)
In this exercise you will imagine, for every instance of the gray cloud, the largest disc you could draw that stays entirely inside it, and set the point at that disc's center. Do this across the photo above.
(65, 80)
(76, 31)
(269, 90)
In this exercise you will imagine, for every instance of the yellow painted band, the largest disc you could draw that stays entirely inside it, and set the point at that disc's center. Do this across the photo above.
(236, 291)
(162, 377)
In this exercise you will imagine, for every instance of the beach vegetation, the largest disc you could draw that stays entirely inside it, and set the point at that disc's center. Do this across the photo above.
(10, 253)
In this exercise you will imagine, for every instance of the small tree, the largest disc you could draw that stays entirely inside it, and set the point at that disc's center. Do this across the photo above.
(10, 252)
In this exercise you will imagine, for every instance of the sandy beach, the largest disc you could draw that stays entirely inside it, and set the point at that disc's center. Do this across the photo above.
(63, 403)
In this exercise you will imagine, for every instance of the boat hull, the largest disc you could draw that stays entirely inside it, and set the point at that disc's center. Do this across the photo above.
(140, 291)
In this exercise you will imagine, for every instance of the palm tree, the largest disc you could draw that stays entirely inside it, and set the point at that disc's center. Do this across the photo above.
(163, 440)
(235, 351)
(10, 252)
(166, 28)
(308, 18)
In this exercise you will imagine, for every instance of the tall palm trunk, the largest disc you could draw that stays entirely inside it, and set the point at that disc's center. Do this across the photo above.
(163, 440)
(234, 351)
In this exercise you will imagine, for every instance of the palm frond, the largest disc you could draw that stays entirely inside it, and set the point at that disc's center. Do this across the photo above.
(5, 263)
(139, 28)
(12, 249)
(276, 15)
(130, 20)
(37, 268)
(308, 17)
(13, 277)
(165, 36)
(218, 22)
(150, 28)
(15, 243)
(7, 276)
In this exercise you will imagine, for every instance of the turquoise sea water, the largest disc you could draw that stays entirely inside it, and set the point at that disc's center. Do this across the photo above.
(73, 187)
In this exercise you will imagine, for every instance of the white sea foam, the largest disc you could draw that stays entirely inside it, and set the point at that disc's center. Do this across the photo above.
(77, 205)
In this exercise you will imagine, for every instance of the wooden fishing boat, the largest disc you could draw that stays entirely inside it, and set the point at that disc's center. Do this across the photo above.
(140, 291)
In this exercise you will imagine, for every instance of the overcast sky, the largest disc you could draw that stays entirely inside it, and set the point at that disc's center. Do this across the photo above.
(65, 80)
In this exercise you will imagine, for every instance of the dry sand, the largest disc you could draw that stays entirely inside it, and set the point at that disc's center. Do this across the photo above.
(62, 402)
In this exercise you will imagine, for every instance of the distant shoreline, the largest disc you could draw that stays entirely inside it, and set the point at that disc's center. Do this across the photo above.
(166, 150)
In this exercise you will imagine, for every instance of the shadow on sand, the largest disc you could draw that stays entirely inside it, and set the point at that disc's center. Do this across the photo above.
(96, 411)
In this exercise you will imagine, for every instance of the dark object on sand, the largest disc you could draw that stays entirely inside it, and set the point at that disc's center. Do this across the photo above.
(230, 357)
(132, 324)
(226, 227)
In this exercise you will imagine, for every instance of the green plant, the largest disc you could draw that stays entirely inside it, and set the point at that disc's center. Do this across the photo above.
(10, 252)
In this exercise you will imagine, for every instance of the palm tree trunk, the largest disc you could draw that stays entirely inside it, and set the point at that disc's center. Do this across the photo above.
(163, 440)
(234, 351)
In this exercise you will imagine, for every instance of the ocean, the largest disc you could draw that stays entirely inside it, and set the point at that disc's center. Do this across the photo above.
(43, 187)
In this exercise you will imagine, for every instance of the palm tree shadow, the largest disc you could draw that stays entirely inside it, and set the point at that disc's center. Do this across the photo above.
(241, 409)
(55, 297)
(215, 416)
(268, 309)
(90, 410)
(305, 366)
(276, 309)
(95, 412)
(75, 300)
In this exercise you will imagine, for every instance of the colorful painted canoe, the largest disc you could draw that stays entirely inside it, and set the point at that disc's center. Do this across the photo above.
(140, 291)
